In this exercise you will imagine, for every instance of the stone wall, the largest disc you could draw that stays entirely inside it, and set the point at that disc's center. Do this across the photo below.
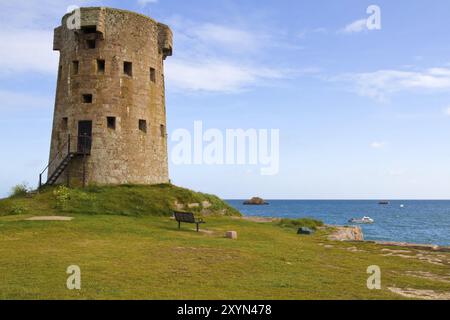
(121, 153)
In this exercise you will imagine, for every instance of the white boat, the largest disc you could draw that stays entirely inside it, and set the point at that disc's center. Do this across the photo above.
(364, 220)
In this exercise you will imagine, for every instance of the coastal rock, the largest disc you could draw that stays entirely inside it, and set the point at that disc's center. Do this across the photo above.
(346, 233)
(305, 231)
(256, 201)
(206, 204)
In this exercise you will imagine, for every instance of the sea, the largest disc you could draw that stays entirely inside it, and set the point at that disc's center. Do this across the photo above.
(412, 221)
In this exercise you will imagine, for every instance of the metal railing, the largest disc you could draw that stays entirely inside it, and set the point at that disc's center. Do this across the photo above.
(84, 144)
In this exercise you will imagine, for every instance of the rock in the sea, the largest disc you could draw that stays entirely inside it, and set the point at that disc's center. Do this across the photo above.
(256, 202)
(306, 231)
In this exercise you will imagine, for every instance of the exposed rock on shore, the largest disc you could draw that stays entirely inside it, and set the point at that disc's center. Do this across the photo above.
(346, 233)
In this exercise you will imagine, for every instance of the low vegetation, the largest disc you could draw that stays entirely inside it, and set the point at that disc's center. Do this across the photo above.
(126, 200)
(300, 223)
(19, 190)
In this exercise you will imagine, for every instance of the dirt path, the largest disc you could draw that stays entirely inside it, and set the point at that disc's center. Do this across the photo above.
(50, 218)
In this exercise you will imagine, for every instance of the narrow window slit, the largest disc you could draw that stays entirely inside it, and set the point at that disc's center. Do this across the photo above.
(128, 68)
(152, 75)
(143, 125)
(100, 66)
(111, 122)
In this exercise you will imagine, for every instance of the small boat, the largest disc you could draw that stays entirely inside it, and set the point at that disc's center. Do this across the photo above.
(402, 206)
(364, 220)
(384, 203)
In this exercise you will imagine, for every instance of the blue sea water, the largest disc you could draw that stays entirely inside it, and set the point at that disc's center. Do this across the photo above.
(424, 222)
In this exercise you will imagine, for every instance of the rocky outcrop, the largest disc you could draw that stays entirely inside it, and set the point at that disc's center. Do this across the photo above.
(256, 201)
(346, 233)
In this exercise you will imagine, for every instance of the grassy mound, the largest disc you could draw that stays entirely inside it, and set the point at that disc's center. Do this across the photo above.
(126, 200)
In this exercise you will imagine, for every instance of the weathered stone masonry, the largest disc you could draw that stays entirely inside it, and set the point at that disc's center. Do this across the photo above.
(111, 73)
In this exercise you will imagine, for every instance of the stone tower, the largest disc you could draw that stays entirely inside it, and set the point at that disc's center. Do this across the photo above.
(110, 99)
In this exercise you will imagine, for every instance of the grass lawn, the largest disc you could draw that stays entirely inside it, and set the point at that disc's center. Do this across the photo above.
(146, 257)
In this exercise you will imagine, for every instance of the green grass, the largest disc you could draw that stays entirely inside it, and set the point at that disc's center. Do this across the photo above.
(147, 257)
(126, 200)
(128, 247)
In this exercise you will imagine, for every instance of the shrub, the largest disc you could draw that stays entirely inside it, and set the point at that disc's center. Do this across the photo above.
(62, 196)
(19, 190)
(17, 209)
(300, 223)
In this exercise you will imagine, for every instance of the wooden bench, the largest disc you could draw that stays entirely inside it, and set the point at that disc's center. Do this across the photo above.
(187, 217)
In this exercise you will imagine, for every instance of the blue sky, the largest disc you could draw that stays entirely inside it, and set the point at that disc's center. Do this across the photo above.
(362, 113)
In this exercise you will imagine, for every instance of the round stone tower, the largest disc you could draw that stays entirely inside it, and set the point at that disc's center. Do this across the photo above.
(109, 124)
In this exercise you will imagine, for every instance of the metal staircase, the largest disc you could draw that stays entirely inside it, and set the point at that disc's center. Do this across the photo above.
(60, 169)
(65, 153)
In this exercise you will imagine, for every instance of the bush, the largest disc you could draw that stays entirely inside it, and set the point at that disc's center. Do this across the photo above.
(300, 223)
(19, 190)
(17, 209)
(62, 197)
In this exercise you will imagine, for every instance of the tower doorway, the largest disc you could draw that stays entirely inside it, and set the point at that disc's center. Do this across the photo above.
(84, 137)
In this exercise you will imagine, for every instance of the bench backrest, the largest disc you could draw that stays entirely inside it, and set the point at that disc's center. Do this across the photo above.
(184, 217)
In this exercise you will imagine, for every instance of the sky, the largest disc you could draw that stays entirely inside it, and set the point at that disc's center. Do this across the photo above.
(361, 114)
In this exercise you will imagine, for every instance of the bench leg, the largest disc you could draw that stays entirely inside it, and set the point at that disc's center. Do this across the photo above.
(179, 225)
(197, 227)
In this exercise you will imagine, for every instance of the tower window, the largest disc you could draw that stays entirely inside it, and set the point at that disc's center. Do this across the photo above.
(100, 66)
(143, 125)
(163, 130)
(89, 29)
(65, 123)
(75, 67)
(128, 68)
(152, 75)
(87, 98)
(111, 122)
(60, 69)
(90, 44)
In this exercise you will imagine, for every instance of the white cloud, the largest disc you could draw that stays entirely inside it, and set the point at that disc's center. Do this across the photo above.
(27, 51)
(378, 145)
(355, 27)
(213, 58)
(304, 33)
(26, 34)
(216, 75)
(380, 84)
(447, 111)
(226, 36)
